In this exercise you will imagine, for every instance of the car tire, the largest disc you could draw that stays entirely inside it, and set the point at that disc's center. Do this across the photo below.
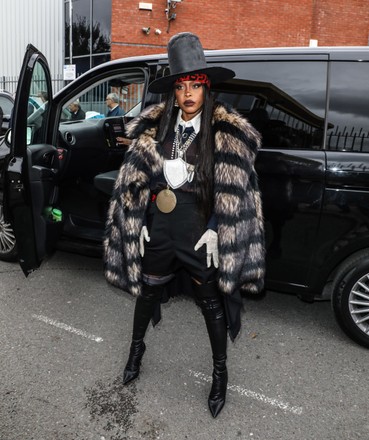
(350, 298)
(8, 245)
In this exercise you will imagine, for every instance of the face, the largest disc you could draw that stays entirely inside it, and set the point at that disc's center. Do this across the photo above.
(73, 108)
(190, 98)
(109, 102)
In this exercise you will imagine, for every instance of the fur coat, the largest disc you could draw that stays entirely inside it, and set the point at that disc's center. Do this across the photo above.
(237, 204)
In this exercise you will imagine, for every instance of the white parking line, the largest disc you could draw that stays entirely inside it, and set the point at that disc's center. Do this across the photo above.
(253, 395)
(68, 328)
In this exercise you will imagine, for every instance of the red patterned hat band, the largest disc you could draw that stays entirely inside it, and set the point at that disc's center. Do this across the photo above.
(198, 77)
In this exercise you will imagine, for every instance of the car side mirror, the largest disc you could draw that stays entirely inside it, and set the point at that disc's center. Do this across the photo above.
(8, 136)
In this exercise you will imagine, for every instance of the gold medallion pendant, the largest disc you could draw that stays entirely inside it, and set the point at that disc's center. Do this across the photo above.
(166, 200)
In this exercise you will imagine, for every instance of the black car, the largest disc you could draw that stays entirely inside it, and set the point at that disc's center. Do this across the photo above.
(311, 107)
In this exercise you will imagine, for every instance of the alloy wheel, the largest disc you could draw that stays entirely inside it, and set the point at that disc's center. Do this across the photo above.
(359, 303)
(7, 237)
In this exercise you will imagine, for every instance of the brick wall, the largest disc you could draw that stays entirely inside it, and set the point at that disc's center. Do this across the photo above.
(343, 22)
(243, 23)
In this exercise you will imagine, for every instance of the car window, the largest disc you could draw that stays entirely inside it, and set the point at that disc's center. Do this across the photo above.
(284, 100)
(348, 116)
(38, 109)
(126, 91)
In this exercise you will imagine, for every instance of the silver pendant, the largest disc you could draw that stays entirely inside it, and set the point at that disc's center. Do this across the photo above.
(175, 172)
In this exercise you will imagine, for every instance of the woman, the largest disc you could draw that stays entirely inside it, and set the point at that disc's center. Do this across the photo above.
(187, 188)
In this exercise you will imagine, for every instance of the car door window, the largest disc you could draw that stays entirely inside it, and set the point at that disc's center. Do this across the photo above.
(87, 130)
(348, 117)
(284, 100)
(127, 89)
(38, 106)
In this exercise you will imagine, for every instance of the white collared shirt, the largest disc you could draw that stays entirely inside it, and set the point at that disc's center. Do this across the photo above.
(194, 122)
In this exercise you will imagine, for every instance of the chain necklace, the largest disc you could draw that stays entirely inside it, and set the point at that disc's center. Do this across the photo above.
(179, 149)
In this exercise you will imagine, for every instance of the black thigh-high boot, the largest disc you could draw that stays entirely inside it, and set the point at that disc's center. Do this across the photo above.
(210, 301)
(144, 310)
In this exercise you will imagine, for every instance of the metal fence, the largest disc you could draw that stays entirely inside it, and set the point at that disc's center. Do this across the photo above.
(92, 100)
(10, 83)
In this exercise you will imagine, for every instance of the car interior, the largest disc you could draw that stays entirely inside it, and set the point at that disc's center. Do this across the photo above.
(88, 155)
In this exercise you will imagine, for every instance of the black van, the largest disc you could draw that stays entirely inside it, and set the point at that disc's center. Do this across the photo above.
(311, 106)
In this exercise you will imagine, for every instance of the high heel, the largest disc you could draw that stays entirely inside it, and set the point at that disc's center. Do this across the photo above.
(218, 391)
(132, 369)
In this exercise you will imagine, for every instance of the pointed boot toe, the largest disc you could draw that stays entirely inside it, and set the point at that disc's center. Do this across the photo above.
(216, 406)
(129, 375)
(218, 392)
(132, 369)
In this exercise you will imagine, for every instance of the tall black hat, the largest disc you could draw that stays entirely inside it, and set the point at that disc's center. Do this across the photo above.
(186, 56)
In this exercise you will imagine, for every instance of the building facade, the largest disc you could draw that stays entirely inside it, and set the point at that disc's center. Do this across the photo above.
(66, 32)
(86, 33)
(39, 22)
(144, 28)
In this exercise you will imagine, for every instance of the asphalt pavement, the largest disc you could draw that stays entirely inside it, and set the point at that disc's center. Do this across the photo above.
(65, 336)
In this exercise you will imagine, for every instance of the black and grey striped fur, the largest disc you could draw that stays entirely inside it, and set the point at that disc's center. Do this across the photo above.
(237, 203)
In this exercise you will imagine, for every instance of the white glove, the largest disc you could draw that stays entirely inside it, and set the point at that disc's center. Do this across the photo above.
(143, 236)
(210, 239)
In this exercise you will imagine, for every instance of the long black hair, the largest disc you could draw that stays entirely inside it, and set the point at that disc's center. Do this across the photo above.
(204, 167)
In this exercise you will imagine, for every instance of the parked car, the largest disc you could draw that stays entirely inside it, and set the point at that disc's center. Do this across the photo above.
(309, 104)
(6, 105)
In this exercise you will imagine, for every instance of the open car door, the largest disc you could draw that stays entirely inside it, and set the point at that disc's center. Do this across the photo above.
(31, 168)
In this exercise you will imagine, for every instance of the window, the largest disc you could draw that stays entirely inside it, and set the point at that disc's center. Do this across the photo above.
(348, 116)
(87, 32)
(284, 100)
